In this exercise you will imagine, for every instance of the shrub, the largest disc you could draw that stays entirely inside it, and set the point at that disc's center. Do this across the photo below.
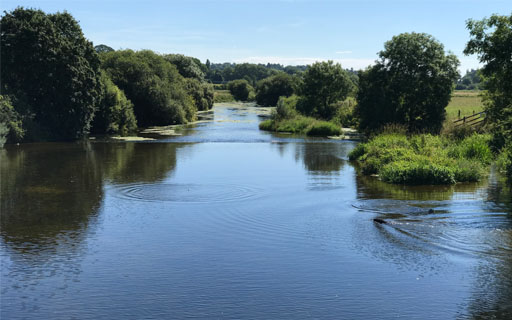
(222, 96)
(11, 121)
(115, 111)
(468, 171)
(286, 108)
(417, 172)
(358, 152)
(323, 129)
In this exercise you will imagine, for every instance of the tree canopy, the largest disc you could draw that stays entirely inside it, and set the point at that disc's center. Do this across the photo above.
(270, 89)
(240, 89)
(188, 67)
(52, 70)
(323, 84)
(153, 84)
(411, 84)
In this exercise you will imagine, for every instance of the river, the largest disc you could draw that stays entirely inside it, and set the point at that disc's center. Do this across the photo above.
(225, 221)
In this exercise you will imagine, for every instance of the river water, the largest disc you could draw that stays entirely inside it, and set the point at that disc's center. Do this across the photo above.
(227, 222)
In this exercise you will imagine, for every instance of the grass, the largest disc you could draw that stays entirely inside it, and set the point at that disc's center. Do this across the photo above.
(467, 101)
(424, 159)
(303, 125)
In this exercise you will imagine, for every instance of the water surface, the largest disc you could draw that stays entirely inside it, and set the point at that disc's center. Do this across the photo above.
(225, 221)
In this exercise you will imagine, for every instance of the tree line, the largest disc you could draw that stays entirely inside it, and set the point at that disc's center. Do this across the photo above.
(56, 86)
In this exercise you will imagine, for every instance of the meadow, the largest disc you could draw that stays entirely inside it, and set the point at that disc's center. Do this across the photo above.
(467, 101)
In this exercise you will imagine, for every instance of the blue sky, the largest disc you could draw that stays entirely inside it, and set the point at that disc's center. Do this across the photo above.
(287, 31)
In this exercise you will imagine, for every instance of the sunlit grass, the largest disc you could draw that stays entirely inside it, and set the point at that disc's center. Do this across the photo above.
(467, 101)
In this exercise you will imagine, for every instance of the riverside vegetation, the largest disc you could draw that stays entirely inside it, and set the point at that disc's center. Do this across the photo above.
(49, 92)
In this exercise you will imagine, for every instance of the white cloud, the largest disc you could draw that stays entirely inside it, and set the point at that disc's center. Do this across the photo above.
(346, 63)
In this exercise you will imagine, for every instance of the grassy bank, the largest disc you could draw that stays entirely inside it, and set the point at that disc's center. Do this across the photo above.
(302, 125)
(424, 159)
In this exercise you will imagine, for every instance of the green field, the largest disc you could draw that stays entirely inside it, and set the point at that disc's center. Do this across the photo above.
(467, 101)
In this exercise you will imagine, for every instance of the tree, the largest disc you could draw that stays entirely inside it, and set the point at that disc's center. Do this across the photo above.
(47, 63)
(270, 89)
(324, 83)
(101, 48)
(153, 84)
(201, 92)
(188, 67)
(240, 89)
(10, 122)
(491, 40)
(411, 84)
(115, 111)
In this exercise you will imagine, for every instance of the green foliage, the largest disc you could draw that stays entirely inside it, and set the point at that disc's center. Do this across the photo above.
(101, 48)
(301, 125)
(472, 80)
(344, 115)
(411, 84)
(270, 89)
(201, 92)
(323, 129)
(240, 89)
(156, 89)
(421, 172)
(286, 108)
(491, 40)
(424, 159)
(222, 96)
(188, 67)
(115, 111)
(49, 65)
(324, 83)
(11, 122)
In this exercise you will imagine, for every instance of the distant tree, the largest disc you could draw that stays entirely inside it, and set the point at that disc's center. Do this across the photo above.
(101, 48)
(324, 83)
(270, 89)
(188, 67)
(115, 112)
(153, 84)
(240, 89)
(411, 84)
(491, 40)
(47, 63)
(207, 64)
(470, 81)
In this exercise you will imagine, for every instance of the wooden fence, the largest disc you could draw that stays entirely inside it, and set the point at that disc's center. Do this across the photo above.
(472, 120)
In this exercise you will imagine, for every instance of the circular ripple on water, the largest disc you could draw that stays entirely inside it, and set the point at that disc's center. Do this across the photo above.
(186, 193)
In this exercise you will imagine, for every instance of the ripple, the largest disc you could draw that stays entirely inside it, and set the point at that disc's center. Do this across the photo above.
(185, 193)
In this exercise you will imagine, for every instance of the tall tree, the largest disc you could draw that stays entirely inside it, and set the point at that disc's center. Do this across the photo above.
(270, 89)
(324, 84)
(49, 65)
(411, 84)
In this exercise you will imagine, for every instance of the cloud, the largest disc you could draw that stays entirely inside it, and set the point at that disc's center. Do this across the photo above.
(346, 63)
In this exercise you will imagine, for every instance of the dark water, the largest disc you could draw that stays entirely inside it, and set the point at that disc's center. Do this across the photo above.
(228, 222)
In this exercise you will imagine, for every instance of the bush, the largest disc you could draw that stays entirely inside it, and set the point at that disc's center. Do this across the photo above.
(344, 113)
(424, 159)
(115, 111)
(286, 108)
(11, 122)
(240, 89)
(407, 172)
(323, 129)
